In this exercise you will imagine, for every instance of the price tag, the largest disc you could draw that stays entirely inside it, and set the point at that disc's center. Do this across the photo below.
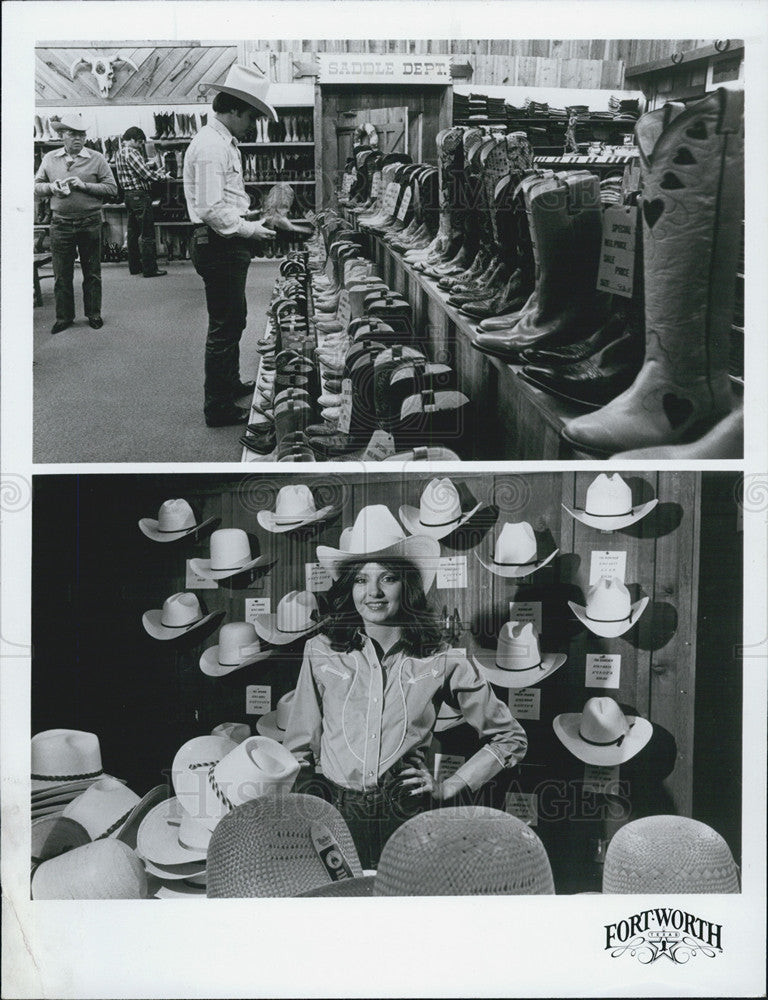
(526, 611)
(345, 406)
(525, 703)
(523, 806)
(603, 670)
(344, 310)
(390, 199)
(346, 184)
(405, 203)
(617, 254)
(258, 699)
(376, 184)
(195, 582)
(601, 779)
(255, 606)
(381, 446)
(608, 564)
(446, 764)
(452, 573)
(317, 578)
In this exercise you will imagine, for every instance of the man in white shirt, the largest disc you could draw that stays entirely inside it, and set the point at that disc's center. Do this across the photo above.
(222, 241)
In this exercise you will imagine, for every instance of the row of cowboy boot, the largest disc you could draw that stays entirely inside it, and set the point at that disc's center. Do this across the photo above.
(43, 130)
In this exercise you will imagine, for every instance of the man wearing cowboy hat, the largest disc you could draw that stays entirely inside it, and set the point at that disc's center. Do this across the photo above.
(222, 241)
(77, 180)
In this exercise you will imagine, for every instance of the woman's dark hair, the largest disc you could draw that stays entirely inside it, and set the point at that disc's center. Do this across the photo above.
(421, 634)
(222, 103)
(134, 132)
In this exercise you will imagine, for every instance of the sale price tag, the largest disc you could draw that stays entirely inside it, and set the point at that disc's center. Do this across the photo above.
(345, 406)
(390, 199)
(381, 446)
(608, 564)
(195, 582)
(317, 578)
(258, 699)
(525, 703)
(523, 806)
(404, 204)
(598, 778)
(617, 254)
(255, 606)
(344, 310)
(376, 184)
(603, 670)
(446, 764)
(452, 573)
(526, 611)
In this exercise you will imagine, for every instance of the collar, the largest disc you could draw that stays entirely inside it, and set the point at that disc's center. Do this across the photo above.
(222, 129)
(394, 649)
(85, 152)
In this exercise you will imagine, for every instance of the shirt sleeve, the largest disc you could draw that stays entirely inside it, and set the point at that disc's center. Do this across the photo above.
(105, 185)
(139, 165)
(42, 180)
(209, 171)
(305, 723)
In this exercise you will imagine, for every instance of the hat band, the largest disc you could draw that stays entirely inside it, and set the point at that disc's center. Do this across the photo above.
(225, 569)
(187, 625)
(518, 670)
(439, 524)
(294, 631)
(111, 829)
(65, 777)
(215, 787)
(603, 743)
(303, 517)
(630, 511)
(172, 531)
(608, 620)
(531, 562)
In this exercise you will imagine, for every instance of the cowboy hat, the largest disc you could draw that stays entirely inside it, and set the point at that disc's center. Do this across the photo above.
(377, 535)
(189, 770)
(179, 615)
(175, 520)
(64, 761)
(106, 869)
(439, 511)
(184, 889)
(230, 555)
(235, 731)
(129, 830)
(246, 84)
(602, 734)
(72, 120)
(54, 835)
(188, 871)
(274, 723)
(103, 808)
(608, 504)
(518, 662)
(515, 553)
(297, 616)
(294, 508)
(237, 647)
(609, 612)
(169, 836)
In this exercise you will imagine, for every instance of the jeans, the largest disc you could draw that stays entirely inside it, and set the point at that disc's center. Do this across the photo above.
(222, 262)
(68, 238)
(142, 250)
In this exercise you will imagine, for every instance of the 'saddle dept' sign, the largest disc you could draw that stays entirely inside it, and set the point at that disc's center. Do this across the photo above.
(355, 69)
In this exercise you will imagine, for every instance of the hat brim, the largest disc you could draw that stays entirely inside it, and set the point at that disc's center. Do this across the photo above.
(255, 102)
(266, 725)
(129, 830)
(410, 516)
(612, 523)
(266, 629)
(209, 662)
(203, 568)
(421, 550)
(510, 571)
(266, 519)
(155, 628)
(175, 872)
(54, 835)
(60, 126)
(149, 527)
(566, 727)
(157, 840)
(64, 790)
(361, 885)
(610, 630)
(550, 662)
(180, 890)
(185, 778)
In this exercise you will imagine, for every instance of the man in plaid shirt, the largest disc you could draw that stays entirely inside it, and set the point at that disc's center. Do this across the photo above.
(135, 176)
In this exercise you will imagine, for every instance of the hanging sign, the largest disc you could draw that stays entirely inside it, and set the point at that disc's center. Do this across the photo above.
(603, 670)
(407, 195)
(381, 446)
(617, 254)
(523, 806)
(344, 311)
(345, 406)
(390, 199)
(255, 606)
(317, 577)
(258, 699)
(452, 573)
(354, 69)
(602, 563)
(526, 611)
(346, 184)
(376, 184)
(525, 703)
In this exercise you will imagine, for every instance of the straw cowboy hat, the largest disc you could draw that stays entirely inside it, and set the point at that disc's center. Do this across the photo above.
(246, 84)
(230, 555)
(515, 553)
(609, 611)
(294, 508)
(179, 615)
(179, 890)
(297, 616)
(72, 120)
(64, 762)
(377, 535)
(518, 662)
(266, 848)
(274, 723)
(669, 854)
(238, 646)
(208, 790)
(54, 835)
(439, 511)
(103, 809)
(175, 520)
(189, 770)
(169, 836)
(235, 731)
(106, 869)
(608, 505)
(602, 734)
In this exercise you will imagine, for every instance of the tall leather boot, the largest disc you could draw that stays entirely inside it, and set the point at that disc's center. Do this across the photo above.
(725, 440)
(692, 206)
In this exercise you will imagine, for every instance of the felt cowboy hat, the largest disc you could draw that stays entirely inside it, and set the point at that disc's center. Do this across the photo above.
(602, 734)
(246, 84)
(235, 731)
(297, 616)
(608, 505)
(669, 854)
(439, 511)
(275, 723)
(72, 120)
(230, 555)
(518, 662)
(515, 553)
(179, 615)
(169, 836)
(106, 869)
(294, 508)
(238, 646)
(377, 535)
(64, 762)
(175, 520)
(609, 611)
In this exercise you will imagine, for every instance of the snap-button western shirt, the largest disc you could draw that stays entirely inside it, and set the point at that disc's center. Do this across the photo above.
(358, 720)
(132, 170)
(90, 166)
(213, 182)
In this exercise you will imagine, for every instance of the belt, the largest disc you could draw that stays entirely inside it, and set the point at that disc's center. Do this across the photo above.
(353, 795)
(94, 216)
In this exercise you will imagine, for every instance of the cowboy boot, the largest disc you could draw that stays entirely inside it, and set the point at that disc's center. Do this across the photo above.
(692, 206)
(38, 129)
(203, 118)
(725, 440)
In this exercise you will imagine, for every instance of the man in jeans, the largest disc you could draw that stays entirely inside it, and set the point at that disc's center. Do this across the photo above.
(223, 238)
(135, 176)
(77, 180)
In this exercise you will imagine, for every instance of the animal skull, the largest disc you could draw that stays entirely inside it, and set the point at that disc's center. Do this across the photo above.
(103, 69)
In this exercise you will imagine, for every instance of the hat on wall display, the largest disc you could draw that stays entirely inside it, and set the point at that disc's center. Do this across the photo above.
(609, 611)
(294, 509)
(608, 505)
(602, 734)
(180, 614)
(238, 646)
(518, 661)
(515, 553)
(175, 520)
(230, 554)
(297, 616)
(245, 83)
(439, 511)
(274, 724)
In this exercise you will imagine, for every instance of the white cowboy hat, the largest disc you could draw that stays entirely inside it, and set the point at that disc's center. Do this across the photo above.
(175, 520)
(376, 534)
(235, 731)
(608, 504)
(439, 511)
(103, 809)
(447, 718)
(609, 612)
(297, 616)
(602, 734)
(246, 84)
(230, 555)
(188, 871)
(294, 508)
(179, 615)
(274, 723)
(238, 646)
(106, 869)
(53, 835)
(64, 761)
(515, 553)
(168, 835)
(180, 890)
(70, 119)
(189, 770)
(518, 662)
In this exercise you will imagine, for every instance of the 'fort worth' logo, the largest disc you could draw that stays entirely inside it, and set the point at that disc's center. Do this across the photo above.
(664, 933)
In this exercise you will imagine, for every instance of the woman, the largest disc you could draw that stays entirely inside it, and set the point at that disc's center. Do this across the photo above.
(371, 684)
